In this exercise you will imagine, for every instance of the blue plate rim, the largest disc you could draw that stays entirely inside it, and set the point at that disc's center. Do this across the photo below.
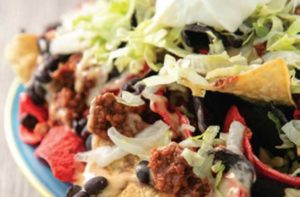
(8, 130)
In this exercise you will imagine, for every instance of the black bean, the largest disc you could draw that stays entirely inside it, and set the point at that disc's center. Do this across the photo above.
(196, 36)
(38, 100)
(88, 142)
(200, 113)
(131, 86)
(96, 185)
(122, 45)
(113, 73)
(143, 172)
(243, 171)
(43, 76)
(230, 159)
(29, 121)
(51, 63)
(84, 133)
(232, 41)
(38, 89)
(63, 58)
(149, 116)
(81, 194)
(134, 21)
(72, 190)
(79, 125)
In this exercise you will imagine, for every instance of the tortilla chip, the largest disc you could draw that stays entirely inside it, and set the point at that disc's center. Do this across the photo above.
(22, 53)
(135, 189)
(58, 149)
(269, 82)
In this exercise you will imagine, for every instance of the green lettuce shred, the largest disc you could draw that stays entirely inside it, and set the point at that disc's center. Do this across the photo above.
(201, 161)
(218, 168)
(286, 143)
(292, 131)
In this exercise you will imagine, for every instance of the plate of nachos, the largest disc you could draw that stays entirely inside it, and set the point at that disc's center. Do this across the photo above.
(146, 98)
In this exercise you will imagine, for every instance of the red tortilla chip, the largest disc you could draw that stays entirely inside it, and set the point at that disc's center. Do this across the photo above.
(28, 107)
(29, 137)
(58, 149)
(39, 112)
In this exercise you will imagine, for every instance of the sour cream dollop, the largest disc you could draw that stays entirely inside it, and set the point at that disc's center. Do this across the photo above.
(221, 14)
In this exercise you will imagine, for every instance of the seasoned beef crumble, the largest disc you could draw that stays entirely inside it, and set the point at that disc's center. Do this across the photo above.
(64, 76)
(172, 174)
(106, 112)
(66, 106)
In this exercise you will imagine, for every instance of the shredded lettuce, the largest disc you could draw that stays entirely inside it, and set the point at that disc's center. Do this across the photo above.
(103, 156)
(103, 23)
(262, 30)
(275, 24)
(218, 168)
(292, 131)
(283, 42)
(226, 72)
(174, 71)
(295, 83)
(203, 64)
(213, 12)
(130, 99)
(294, 28)
(155, 136)
(190, 71)
(193, 142)
(292, 58)
(146, 41)
(286, 143)
(201, 161)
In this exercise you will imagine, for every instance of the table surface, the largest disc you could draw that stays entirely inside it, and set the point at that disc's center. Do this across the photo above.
(31, 15)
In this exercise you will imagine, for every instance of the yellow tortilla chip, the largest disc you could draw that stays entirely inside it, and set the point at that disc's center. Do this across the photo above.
(22, 54)
(134, 189)
(269, 82)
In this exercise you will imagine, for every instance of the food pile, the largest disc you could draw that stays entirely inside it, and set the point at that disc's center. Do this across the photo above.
(166, 97)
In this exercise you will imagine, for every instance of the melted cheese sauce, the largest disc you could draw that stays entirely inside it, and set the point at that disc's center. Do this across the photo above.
(118, 180)
(119, 174)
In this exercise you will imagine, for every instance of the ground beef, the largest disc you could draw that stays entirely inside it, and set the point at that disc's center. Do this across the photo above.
(64, 76)
(172, 174)
(297, 10)
(106, 112)
(66, 107)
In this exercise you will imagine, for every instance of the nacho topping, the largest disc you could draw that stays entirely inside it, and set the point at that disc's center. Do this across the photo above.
(66, 106)
(58, 150)
(172, 97)
(269, 82)
(172, 174)
(107, 112)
